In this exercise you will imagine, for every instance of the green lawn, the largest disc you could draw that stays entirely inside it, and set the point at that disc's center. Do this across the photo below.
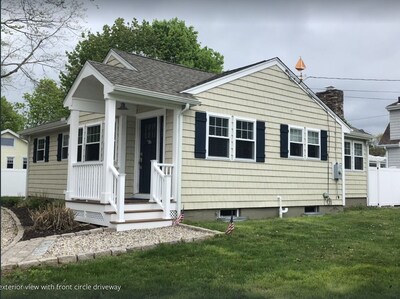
(353, 254)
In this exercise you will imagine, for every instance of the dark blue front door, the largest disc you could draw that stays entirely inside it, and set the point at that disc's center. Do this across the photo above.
(148, 152)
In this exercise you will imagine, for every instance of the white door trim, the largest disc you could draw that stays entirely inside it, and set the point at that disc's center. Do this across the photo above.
(139, 118)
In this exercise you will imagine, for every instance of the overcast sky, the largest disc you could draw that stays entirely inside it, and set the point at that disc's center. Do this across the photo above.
(341, 39)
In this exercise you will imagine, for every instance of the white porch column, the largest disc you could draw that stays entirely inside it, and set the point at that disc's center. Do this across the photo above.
(108, 161)
(175, 154)
(122, 143)
(72, 151)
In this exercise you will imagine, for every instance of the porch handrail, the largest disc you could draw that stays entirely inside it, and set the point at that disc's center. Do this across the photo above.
(160, 185)
(117, 200)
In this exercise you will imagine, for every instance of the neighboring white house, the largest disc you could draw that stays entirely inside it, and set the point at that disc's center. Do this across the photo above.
(14, 162)
(213, 144)
(391, 138)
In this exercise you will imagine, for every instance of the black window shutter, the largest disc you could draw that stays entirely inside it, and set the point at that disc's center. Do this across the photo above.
(59, 147)
(47, 149)
(200, 135)
(34, 150)
(324, 145)
(260, 142)
(284, 141)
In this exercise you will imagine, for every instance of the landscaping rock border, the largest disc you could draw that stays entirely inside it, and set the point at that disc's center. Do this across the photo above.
(20, 230)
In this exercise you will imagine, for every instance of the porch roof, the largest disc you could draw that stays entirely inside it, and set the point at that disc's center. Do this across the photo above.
(152, 75)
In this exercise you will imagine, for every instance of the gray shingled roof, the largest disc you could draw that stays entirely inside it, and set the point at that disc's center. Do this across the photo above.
(385, 139)
(152, 74)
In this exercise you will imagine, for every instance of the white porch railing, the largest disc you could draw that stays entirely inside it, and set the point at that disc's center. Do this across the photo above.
(88, 184)
(117, 200)
(160, 186)
(87, 180)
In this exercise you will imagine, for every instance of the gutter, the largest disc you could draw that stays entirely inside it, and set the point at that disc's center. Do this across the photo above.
(45, 127)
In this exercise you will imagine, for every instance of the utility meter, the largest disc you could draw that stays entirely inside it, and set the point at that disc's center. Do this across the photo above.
(337, 171)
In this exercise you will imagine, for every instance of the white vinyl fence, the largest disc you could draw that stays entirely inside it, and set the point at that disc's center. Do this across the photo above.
(13, 182)
(384, 186)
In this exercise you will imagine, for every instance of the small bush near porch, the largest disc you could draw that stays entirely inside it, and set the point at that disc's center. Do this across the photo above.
(354, 254)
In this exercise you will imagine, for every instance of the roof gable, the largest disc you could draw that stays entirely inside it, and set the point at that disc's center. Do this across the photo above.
(229, 76)
(10, 132)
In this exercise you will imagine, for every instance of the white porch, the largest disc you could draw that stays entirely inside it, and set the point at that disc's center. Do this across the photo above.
(101, 186)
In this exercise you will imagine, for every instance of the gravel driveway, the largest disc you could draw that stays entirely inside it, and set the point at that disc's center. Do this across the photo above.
(8, 229)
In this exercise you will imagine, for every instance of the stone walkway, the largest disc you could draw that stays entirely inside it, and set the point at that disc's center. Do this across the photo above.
(50, 250)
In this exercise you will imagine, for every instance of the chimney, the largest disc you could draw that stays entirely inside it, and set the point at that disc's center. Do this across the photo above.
(333, 98)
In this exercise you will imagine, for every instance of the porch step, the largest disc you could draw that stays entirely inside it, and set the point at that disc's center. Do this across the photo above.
(141, 224)
(134, 211)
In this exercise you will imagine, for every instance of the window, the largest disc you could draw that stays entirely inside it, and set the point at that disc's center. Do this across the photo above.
(245, 140)
(228, 213)
(226, 137)
(218, 137)
(347, 155)
(7, 141)
(80, 142)
(24, 163)
(358, 156)
(41, 142)
(296, 142)
(89, 138)
(313, 144)
(64, 147)
(354, 155)
(303, 142)
(10, 162)
(311, 209)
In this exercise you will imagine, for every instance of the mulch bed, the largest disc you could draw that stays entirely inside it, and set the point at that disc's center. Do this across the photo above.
(29, 232)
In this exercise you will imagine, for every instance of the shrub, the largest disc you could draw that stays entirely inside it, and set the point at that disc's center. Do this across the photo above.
(54, 217)
(40, 202)
(11, 202)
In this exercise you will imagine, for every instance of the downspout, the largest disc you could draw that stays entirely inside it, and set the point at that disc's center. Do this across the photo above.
(343, 173)
(367, 170)
(28, 167)
(179, 160)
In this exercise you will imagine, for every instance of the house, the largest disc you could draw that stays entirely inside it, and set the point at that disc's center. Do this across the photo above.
(146, 139)
(14, 150)
(14, 162)
(356, 151)
(391, 137)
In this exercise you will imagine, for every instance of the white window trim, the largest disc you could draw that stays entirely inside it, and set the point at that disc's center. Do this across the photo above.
(319, 143)
(347, 155)
(13, 162)
(254, 122)
(231, 137)
(305, 143)
(8, 146)
(353, 156)
(229, 117)
(84, 143)
(24, 159)
(236, 214)
(362, 156)
(303, 137)
(63, 146)
(44, 149)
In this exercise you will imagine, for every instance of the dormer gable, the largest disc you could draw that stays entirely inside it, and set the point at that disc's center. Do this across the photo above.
(114, 59)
